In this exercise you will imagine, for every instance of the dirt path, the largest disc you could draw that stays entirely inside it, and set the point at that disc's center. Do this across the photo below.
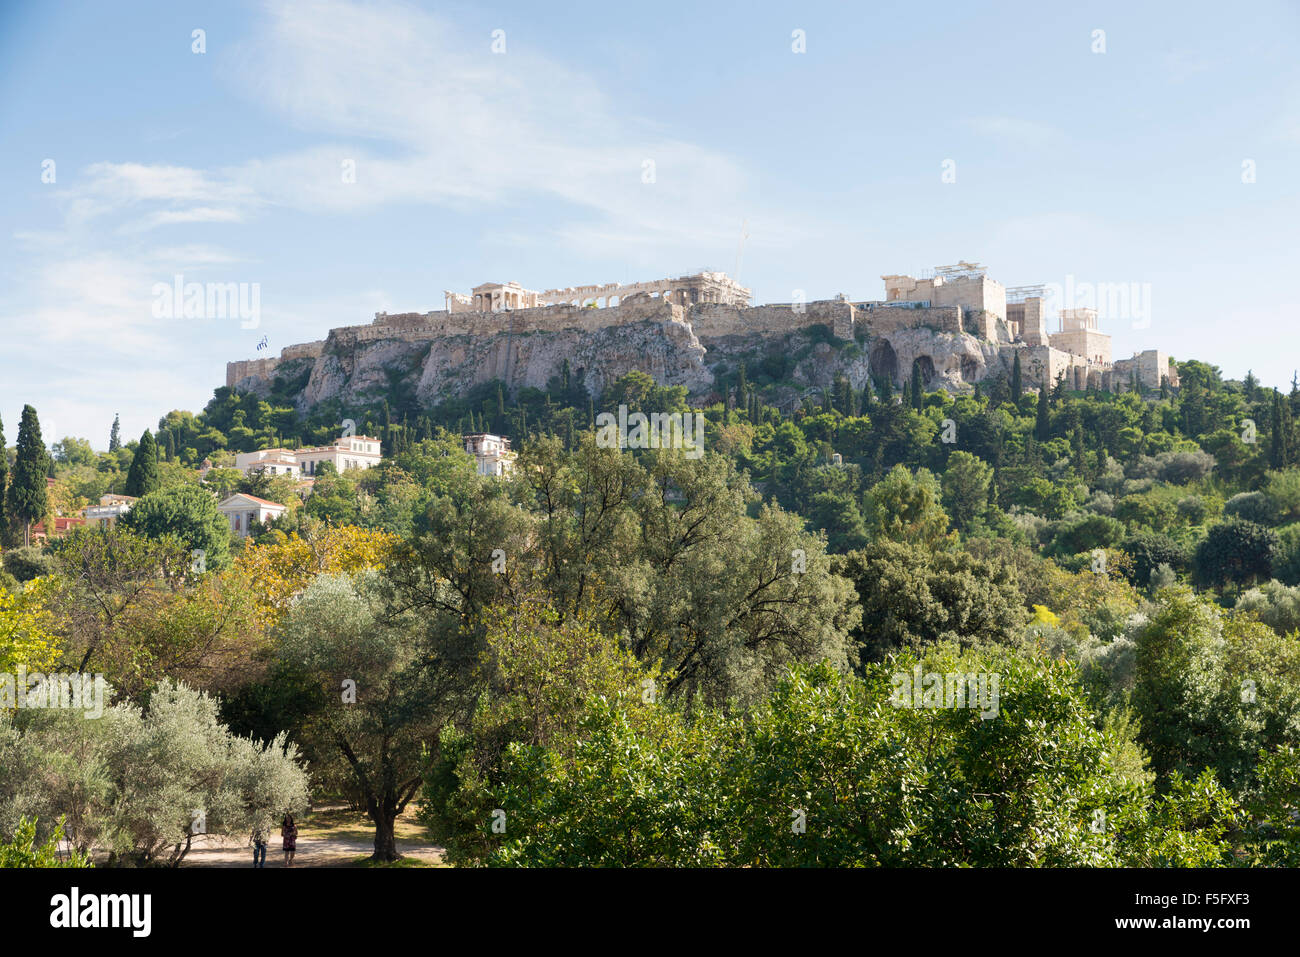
(333, 837)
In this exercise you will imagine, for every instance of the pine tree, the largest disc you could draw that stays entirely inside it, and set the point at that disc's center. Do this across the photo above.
(26, 500)
(143, 478)
(1017, 386)
(115, 436)
(1043, 425)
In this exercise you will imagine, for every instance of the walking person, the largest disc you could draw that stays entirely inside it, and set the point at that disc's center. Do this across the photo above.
(289, 831)
(259, 847)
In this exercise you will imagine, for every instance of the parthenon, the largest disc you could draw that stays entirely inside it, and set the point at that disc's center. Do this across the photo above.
(682, 291)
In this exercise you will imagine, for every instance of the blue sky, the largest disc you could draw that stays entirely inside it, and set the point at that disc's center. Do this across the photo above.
(1115, 167)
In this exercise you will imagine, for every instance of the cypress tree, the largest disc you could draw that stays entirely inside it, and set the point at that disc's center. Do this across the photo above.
(1043, 425)
(1079, 461)
(1017, 386)
(4, 483)
(143, 478)
(26, 500)
(917, 395)
(887, 389)
(1276, 447)
(115, 434)
(1288, 436)
(169, 446)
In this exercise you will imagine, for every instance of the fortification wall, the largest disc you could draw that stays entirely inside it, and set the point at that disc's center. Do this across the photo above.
(883, 319)
(238, 371)
(414, 326)
(712, 320)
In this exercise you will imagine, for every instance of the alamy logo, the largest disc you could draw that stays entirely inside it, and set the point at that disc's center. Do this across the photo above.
(917, 689)
(208, 300)
(1123, 301)
(658, 430)
(73, 910)
(36, 690)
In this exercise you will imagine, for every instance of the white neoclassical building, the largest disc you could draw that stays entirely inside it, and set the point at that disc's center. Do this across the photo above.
(347, 452)
(492, 455)
(245, 513)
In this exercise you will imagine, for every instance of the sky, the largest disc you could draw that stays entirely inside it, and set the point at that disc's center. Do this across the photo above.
(339, 158)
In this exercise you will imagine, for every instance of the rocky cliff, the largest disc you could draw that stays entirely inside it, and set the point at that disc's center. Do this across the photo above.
(443, 355)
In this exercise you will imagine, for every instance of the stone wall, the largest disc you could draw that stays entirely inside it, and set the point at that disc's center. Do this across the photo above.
(237, 372)
(717, 321)
(1151, 366)
(1033, 323)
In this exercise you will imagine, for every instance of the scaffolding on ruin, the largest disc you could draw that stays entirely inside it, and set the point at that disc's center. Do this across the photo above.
(1017, 294)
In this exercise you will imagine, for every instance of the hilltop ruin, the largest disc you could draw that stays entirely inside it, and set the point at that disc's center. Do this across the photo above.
(958, 326)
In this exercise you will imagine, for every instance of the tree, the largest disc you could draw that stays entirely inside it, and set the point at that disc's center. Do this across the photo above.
(904, 507)
(143, 476)
(1017, 384)
(537, 672)
(140, 784)
(873, 781)
(187, 514)
(378, 700)
(26, 500)
(1192, 717)
(1237, 552)
(27, 631)
(4, 485)
(908, 593)
(115, 434)
(1042, 423)
(918, 392)
(966, 482)
(22, 851)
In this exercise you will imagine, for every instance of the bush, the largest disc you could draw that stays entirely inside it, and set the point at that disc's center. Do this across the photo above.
(1250, 507)
(28, 562)
(1275, 605)
(1150, 550)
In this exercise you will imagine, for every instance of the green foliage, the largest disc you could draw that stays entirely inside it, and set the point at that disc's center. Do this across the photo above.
(23, 850)
(1236, 552)
(139, 784)
(831, 771)
(25, 499)
(904, 507)
(187, 514)
(913, 595)
(28, 563)
(143, 477)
